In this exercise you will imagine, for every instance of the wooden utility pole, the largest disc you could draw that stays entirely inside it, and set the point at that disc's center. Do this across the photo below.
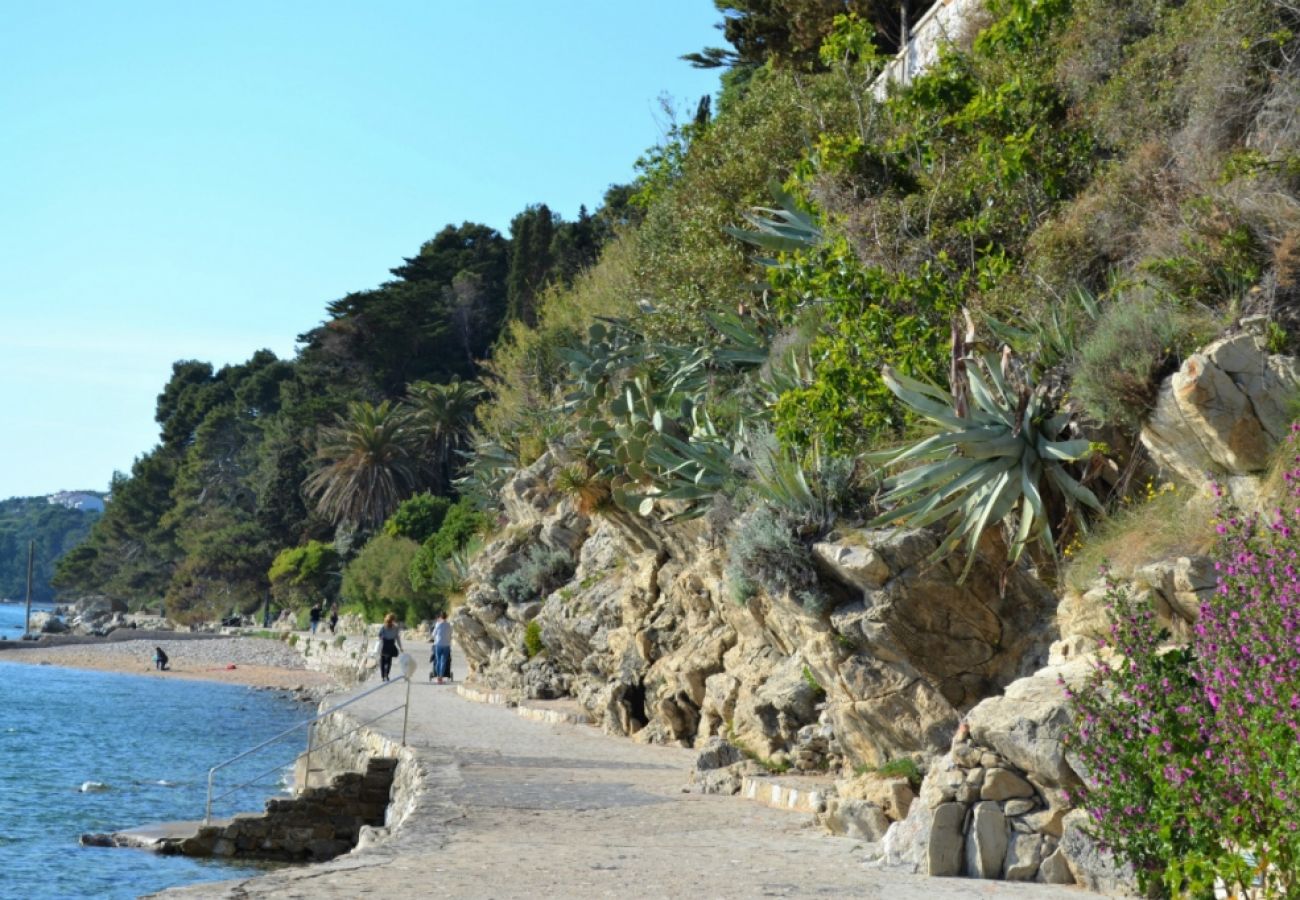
(31, 556)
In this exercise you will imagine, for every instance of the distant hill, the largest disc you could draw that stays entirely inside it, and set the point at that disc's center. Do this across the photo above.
(56, 523)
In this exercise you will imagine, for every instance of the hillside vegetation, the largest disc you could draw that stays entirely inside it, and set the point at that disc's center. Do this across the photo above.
(1102, 185)
(54, 528)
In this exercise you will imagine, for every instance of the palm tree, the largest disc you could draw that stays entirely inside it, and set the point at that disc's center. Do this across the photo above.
(371, 463)
(443, 413)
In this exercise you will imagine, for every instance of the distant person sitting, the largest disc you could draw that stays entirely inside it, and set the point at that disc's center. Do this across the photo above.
(441, 649)
(315, 618)
(159, 659)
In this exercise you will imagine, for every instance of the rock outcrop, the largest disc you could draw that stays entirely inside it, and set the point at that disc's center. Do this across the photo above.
(646, 635)
(1223, 413)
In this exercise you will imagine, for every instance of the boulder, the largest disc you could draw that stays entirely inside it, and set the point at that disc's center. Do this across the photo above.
(1026, 724)
(1222, 414)
(1180, 586)
(1024, 853)
(943, 849)
(1001, 784)
(1054, 869)
(853, 818)
(894, 796)
(986, 843)
(1089, 864)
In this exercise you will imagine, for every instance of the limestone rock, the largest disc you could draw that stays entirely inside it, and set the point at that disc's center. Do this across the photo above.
(893, 795)
(717, 754)
(1091, 866)
(943, 850)
(1027, 723)
(769, 715)
(1024, 853)
(1054, 869)
(1001, 784)
(853, 818)
(853, 565)
(906, 843)
(1181, 585)
(986, 844)
(1223, 412)
(1014, 808)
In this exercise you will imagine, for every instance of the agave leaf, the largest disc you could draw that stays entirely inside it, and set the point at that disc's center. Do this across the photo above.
(929, 474)
(1063, 451)
(1072, 489)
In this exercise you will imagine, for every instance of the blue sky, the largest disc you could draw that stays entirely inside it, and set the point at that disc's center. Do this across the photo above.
(197, 180)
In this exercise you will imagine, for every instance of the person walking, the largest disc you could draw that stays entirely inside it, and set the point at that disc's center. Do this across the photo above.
(159, 659)
(315, 617)
(390, 644)
(334, 618)
(441, 649)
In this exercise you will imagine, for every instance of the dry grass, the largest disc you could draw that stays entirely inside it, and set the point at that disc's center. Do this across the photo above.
(1157, 523)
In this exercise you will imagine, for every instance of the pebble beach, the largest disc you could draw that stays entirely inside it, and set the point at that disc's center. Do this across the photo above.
(252, 661)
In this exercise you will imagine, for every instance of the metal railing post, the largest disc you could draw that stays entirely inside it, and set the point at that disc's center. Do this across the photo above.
(306, 769)
(309, 725)
(406, 709)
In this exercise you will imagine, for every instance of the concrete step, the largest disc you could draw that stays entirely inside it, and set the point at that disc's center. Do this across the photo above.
(551, 712)
(796, 793)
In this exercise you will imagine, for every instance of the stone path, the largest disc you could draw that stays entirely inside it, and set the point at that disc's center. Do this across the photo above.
(517, 808)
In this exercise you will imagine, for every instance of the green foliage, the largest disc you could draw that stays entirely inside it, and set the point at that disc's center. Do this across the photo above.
(369, 464)
(462, 523)
(418, 517)
(871, 318)
(998, 457)
(303, 574)
(765, 553)
(542, 570)
(818, 692)
(55, 528)
(445, 576)
(533, 644)
(1138, 340)
(379, 579)
(903, 767)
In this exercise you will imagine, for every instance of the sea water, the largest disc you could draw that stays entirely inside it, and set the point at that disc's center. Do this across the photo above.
(99, 752)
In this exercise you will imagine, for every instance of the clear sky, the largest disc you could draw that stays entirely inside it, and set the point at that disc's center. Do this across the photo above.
(197, 180)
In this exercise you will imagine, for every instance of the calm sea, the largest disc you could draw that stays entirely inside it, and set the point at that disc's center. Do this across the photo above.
(91, 752)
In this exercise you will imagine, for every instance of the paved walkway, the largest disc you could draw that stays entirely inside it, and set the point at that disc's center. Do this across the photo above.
(520, 809)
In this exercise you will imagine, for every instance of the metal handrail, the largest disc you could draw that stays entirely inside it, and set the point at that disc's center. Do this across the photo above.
(308, 723)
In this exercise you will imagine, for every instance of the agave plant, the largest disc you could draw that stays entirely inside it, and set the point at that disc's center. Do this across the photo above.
(998, 456)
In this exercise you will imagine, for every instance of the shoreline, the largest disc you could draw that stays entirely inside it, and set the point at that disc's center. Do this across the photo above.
(248, 661)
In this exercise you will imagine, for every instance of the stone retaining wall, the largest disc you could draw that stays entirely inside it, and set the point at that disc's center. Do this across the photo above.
(345, 658)
(319, 824)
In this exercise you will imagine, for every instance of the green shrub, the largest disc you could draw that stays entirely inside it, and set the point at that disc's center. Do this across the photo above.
(533, 638)
(418, 517)
(904, 767)
(765, 554)
(462, 522)
(819, 692)
(543, 570)
(379, 580)
(1137, 342)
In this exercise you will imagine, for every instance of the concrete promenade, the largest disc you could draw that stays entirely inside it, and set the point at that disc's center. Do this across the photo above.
(516, 808)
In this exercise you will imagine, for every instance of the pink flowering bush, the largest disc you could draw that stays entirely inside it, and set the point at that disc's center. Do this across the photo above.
(1192, 754)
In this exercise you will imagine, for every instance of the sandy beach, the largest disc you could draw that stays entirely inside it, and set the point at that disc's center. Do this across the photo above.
(255, 662)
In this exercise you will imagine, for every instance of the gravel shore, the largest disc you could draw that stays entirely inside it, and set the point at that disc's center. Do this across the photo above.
(252, 661)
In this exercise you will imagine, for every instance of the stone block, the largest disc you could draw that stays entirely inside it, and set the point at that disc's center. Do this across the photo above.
(1018, 807)
(1002, 784)
(1054, 869)
(986, 844)
(943, 850)
(1024, 853)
